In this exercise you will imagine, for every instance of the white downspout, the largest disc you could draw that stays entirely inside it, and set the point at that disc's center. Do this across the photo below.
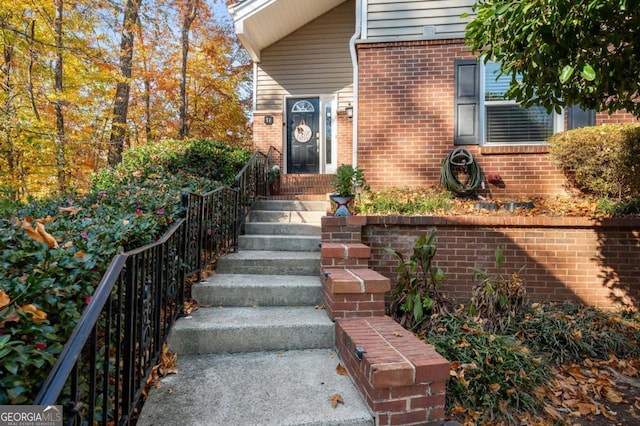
(354, 61)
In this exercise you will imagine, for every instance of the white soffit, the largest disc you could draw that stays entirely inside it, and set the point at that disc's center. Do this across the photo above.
(260, 23)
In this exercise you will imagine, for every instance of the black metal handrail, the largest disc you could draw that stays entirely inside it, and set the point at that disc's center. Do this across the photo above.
(128, 319)
(103, 368)
(251, 183)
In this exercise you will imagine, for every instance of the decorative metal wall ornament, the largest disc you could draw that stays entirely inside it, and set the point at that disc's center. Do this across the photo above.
(302, 132)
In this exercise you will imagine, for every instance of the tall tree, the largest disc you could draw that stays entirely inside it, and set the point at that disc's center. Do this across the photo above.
(189, 15)
(121, 100)
(563, 52)
(59, 88)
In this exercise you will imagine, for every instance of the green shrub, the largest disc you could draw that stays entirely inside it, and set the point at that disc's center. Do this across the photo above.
(494, 375)
(197, 159)
(567, 332)
(417, 293)
(497, 299)
(601, 160)
(129, 207)
(405, 201)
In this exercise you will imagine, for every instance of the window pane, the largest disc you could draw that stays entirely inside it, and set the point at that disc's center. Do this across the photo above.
(494, 90)
(508, 122)
(514, 124)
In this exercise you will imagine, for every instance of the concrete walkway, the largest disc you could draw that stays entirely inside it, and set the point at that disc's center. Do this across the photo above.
(262, 354)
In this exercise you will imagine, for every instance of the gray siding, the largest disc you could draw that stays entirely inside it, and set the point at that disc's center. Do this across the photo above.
(314, 60)
(416, 19)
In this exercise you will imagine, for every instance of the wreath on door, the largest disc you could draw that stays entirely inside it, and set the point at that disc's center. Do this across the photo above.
(302, 132)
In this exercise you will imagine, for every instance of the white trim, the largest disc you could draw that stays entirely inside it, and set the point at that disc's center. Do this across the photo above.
(365, 21)
(481, 93)
(354, 61)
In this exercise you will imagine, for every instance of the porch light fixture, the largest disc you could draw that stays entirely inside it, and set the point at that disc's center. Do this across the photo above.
(268, 120)
(349, 111)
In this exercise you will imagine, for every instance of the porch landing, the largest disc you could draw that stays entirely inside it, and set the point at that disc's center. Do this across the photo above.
(304, 187)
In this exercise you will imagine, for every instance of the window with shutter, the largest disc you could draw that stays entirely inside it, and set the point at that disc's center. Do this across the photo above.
(484, 116)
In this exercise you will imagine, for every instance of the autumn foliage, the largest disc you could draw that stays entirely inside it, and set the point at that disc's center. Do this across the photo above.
(58, 77)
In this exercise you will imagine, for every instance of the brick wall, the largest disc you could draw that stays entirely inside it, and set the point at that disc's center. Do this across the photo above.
(265, 136)
(574, 259)
(406, 119)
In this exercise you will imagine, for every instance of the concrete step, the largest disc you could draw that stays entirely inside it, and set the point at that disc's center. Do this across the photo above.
(295, 205)
(270, 389)
(279, 242)
(270, 228)
(286, 216)
(270, 263)
(234, 330)
(258, 290)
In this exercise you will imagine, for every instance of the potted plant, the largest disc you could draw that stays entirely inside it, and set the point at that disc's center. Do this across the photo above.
(273, 178)
(345, 183)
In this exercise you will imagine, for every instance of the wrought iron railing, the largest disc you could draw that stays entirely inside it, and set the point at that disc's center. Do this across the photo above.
(103, 368)
(251, 183)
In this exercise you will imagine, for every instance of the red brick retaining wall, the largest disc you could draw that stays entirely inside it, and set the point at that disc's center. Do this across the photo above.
(576, 259)
(402, 379)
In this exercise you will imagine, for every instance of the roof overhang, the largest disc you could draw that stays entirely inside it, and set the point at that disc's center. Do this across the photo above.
(260, 23)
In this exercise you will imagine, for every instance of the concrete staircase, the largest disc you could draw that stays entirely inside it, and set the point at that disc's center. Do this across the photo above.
(263, 352)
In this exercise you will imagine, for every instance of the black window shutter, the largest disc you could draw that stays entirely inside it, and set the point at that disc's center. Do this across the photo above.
(467, 102)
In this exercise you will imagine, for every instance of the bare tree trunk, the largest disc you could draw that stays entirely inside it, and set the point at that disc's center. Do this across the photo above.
(146, 96)
(189, 17)
(30, 76)
(121, 101)
(60, 135)
(7, 55)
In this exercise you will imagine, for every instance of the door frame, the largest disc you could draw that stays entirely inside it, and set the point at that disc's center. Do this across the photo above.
(324, 101)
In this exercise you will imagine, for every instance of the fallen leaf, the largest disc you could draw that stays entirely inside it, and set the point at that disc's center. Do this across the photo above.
(613, 396)
(70, 210)
(585, 408)
(79, 255)
(336, 399)
(48, 238)
(494, 387)
(4, 299)
(31, 232)
(395, 333)
(458, 409)
(37, 315)
(46, 220)
(550, 410)
(319, 307)
(152, 380)
(189, 307)
(341, 370)
(167, 362)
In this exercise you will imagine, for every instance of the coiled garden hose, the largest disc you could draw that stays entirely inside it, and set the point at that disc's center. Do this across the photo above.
(460, 160)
